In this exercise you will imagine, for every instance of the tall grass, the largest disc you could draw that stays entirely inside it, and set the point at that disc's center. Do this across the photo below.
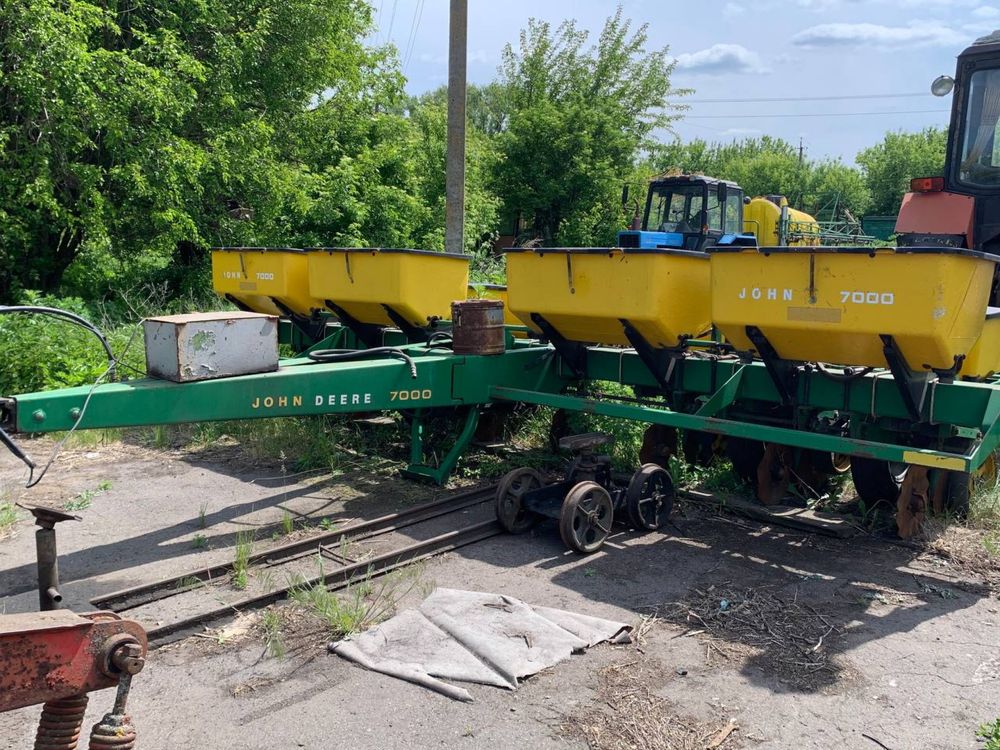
(361, 604)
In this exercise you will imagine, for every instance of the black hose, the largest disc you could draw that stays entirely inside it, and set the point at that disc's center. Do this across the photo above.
(438, 336)
(345, 355)
(55, 312)
(847, 374)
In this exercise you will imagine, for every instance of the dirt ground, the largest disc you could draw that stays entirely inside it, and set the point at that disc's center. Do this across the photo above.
(801, 641)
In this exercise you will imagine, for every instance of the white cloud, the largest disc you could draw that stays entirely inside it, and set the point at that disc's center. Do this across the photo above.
(721, 59)
(986, 11)
(740, 132)
(917, 33)
(733, 10)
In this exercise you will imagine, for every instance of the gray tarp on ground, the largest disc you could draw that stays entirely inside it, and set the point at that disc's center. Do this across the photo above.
(490, 639)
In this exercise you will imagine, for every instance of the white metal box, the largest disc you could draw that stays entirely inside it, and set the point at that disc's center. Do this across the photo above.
(203, 346)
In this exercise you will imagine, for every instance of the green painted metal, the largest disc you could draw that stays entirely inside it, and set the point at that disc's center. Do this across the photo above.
(724, 397)
(709, 391)
(419, 468)
(766, 433)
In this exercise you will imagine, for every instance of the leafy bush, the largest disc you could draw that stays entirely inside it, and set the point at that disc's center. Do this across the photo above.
(38, 352)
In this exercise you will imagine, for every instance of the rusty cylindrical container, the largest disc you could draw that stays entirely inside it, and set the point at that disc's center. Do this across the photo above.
(477, 326)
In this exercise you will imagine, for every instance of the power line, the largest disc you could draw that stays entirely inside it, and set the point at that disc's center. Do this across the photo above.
(840, 98)
(392, 20)
(812, 114)
(418, 14)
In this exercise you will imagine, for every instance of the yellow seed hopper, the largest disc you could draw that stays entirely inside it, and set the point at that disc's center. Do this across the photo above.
(840, 305)
(264, 279)
(388, 287)
(584, 294)
(495, 291)
(984, 357)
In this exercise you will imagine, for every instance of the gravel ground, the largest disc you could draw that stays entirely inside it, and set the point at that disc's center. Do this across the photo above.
(803, 641)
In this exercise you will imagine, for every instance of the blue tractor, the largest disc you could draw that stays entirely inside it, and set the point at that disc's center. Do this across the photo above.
(689, 212)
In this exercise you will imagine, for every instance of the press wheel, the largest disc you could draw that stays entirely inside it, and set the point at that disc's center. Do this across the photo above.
(830, 464)
(586, 517)
(511, 513)
(746, 457)
(877, 480)
(650, 497)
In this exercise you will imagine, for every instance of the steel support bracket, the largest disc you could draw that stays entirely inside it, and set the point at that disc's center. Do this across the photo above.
(573, 353)
(419, 469)
(781, 371)
(368, 334)
(660, 362)
(413, 334)
(724, 397)
(912, 385)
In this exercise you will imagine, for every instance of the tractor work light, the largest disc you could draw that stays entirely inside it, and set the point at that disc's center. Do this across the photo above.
(942, 85)
(927, 184)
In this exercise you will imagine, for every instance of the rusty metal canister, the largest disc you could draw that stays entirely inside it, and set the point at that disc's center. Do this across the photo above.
(477, 326)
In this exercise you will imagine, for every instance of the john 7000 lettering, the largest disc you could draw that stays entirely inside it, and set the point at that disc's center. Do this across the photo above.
(414, 395)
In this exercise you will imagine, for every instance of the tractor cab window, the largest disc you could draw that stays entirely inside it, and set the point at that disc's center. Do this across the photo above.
(734, 212)
(678, 208)
(980, 163)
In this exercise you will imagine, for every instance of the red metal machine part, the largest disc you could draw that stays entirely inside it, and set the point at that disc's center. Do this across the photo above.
(56, 658)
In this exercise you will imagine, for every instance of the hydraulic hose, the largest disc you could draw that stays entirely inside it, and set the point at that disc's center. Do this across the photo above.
(847, 374)
(346, 355)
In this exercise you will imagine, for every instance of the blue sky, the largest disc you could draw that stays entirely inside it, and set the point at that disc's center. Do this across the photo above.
(737, 49)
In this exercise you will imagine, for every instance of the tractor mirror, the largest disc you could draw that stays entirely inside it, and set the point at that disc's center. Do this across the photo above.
(723, 192)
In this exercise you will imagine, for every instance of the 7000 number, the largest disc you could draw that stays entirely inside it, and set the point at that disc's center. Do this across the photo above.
(414, 395)
(868, 298)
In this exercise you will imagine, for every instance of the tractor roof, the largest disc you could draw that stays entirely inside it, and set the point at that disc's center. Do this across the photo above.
(691, 179)
(983, 45)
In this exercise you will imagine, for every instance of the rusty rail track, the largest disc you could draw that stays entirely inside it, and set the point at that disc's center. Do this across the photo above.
(125, 600)
(334, 580)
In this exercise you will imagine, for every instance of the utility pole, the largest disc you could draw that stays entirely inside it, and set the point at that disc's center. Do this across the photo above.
(454, 231)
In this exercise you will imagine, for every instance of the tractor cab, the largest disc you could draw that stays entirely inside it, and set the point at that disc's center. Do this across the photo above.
(689, 212)
(962, 208)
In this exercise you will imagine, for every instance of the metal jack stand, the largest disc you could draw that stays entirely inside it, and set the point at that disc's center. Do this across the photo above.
(46, 518)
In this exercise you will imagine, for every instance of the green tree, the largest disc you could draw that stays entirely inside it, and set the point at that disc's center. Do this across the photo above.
(133, 135)
(890, 165)
(770, 166)
(572, 122)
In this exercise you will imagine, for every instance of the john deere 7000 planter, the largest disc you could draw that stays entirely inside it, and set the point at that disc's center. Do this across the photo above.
(796, 356)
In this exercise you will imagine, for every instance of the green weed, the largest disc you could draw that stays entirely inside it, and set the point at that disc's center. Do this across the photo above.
(271, 622)
(189, 582)
(327, 524)
(200, 541)
(360, 605)
(287, 523)
(241, 561)
(984, 508)
(202, 523)
(8, 517)
(990, 733)
(81, 501)
(86, 498)
(266, 580)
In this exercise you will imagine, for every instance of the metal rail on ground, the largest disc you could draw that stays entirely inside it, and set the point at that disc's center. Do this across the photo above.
(137, 596)
(334, 580)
